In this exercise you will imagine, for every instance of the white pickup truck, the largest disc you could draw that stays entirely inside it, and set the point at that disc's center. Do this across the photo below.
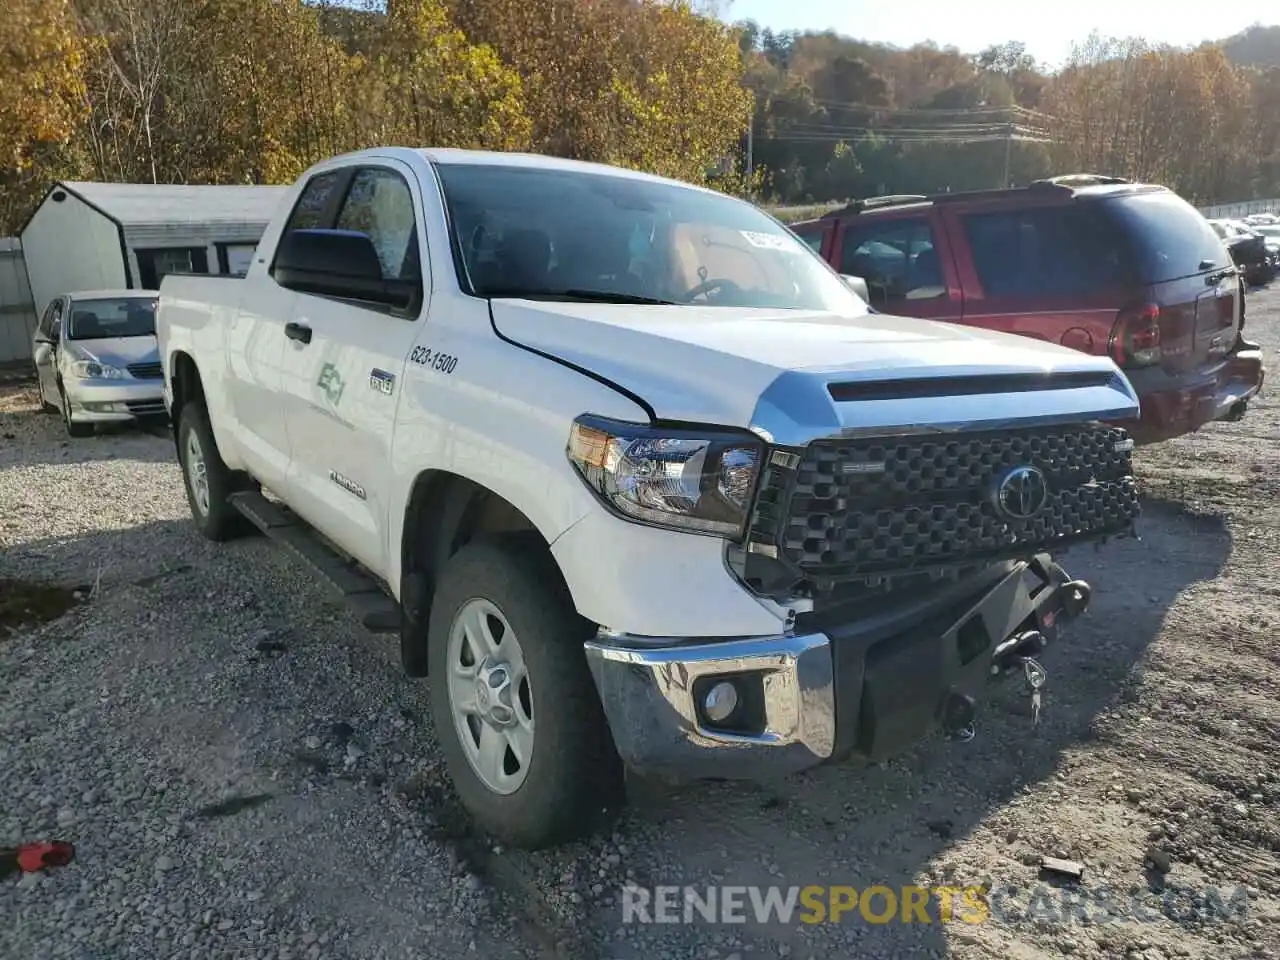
(635, 476)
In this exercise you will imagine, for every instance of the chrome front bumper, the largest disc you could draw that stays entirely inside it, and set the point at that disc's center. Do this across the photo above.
(649, 694)
(873, 686)
(111, 401)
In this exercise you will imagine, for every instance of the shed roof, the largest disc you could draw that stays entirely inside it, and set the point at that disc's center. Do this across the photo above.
(159, 203)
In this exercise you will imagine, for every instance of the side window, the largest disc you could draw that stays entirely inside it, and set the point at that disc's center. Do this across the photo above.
(897, 258)
(45, 330)
(1053, 251)
(811, 236)
(380, 205)
(309, 211)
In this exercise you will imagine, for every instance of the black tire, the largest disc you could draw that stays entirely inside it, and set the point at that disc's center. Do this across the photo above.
(74, 430)
(219, 520)
(575, 780)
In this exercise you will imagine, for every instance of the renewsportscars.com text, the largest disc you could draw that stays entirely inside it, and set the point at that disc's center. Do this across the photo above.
(880, 904)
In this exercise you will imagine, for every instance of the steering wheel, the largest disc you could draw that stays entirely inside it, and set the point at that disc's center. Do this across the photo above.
(706, 286)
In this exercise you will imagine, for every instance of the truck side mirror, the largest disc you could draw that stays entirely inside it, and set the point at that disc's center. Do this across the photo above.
(339, 263)
(858, 286)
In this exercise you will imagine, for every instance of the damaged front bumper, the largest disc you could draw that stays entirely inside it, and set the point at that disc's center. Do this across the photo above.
(770, 706)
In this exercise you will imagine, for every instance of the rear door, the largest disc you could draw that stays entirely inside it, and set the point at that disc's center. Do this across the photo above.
(905, 260)
(1188, 276)
(1055, 272)
(256, 344)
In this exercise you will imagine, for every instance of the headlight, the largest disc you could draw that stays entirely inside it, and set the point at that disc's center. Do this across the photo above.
(690, 480)
(93, 370)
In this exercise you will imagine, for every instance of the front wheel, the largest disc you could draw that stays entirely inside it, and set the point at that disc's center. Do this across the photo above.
(512, 699)
(74, 430)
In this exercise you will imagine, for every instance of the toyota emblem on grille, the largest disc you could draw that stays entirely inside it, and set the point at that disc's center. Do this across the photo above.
(1022, 493)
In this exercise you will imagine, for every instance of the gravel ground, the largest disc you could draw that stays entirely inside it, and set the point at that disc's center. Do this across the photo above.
(245, 772)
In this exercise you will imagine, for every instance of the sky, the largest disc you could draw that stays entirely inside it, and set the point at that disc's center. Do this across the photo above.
(1047, 30)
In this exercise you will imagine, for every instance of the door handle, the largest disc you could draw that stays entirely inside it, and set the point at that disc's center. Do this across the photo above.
(298, 331)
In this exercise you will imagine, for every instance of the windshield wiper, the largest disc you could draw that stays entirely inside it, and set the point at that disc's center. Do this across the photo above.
(590, 296)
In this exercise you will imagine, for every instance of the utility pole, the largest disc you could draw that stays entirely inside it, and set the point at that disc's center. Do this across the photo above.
(1008, 155)
(751, 131)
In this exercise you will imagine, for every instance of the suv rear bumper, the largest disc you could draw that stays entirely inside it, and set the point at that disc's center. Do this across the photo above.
(872, 687)
(1172, 406)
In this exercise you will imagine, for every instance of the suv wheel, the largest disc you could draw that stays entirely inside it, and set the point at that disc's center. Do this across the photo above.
(512, 698)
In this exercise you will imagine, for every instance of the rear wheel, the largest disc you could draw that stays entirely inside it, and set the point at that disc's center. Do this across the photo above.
(208, 480)
(514, 705)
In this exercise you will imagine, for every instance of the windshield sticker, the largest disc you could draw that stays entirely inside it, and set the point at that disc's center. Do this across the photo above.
(765, 241)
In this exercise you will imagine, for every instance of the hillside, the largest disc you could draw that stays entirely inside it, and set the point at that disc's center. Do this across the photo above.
(1257, 47)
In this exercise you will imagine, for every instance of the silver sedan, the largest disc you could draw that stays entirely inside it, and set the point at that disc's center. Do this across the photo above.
(97, 360)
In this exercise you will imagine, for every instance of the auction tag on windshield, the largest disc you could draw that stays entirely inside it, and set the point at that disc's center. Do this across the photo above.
(765, 241)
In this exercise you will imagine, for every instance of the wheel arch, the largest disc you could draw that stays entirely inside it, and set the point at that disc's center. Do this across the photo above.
(445, 511)
(185, 385)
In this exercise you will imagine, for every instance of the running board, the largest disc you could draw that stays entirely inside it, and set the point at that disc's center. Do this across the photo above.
(376, 610)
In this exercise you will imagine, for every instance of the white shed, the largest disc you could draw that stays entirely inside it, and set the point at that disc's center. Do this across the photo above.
(89, 236)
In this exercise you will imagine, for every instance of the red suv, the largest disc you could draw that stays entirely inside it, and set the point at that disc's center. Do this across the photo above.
(1094, 263)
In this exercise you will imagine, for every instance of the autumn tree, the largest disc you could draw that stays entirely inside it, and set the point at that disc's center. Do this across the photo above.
(645, 83)
(423, 83)
(41, 96)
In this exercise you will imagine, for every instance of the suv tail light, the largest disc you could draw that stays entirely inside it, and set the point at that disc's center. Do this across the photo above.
(1135, 339)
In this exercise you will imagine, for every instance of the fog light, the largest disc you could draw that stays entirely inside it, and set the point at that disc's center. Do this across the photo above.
(721, 701)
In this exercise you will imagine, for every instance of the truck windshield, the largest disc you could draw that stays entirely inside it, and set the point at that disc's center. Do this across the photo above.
(106, 319)
(566, 234)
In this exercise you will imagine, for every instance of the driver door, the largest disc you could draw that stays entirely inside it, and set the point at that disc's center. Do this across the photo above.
(906, 263)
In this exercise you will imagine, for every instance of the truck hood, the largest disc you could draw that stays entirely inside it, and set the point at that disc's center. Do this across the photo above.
(793, 374)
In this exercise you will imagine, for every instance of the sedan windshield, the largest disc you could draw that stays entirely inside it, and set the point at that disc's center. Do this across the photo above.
(109, 318)
(575, 235)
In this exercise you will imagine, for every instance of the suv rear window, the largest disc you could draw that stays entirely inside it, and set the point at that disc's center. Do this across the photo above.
(1059, 250)
(1169, 237)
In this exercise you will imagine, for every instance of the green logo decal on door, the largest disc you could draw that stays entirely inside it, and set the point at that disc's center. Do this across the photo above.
(331, 383)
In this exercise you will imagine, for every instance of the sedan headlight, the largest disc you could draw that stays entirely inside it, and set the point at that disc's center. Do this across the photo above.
(693, 480)
(93, 370)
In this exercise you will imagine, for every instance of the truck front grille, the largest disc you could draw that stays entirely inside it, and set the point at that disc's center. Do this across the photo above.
(866, 508)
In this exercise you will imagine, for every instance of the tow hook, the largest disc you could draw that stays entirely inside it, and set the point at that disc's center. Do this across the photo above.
(1076, 595)
(1011, 654)
(957, 712)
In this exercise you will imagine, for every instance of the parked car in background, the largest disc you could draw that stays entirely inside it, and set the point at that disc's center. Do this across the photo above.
(1105, 266)
(96, 358)
(1248, 250)
(1262, 220)
(1271, 237)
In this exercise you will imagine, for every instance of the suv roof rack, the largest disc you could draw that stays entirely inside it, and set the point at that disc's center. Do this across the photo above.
(1072, 180)
(872, 203)
(1065, 182)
